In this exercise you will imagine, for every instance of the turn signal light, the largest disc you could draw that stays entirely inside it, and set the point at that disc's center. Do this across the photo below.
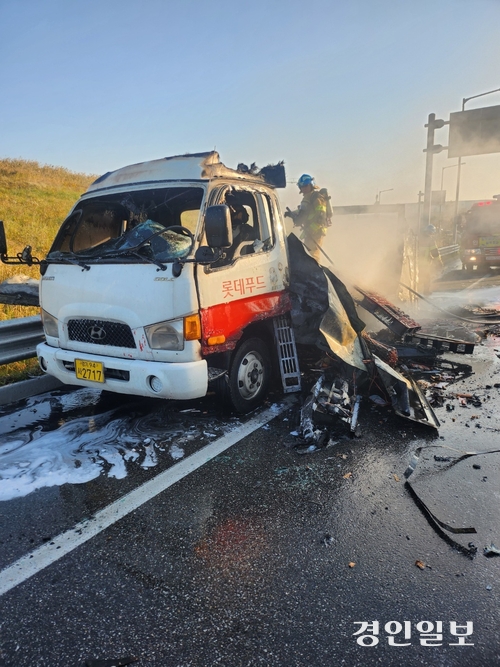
(216, 340)
(192, 327)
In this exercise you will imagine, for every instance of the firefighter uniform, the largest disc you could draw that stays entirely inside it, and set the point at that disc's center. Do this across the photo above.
(311, 216)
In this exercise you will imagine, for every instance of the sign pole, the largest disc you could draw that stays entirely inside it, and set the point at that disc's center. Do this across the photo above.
(428, 168)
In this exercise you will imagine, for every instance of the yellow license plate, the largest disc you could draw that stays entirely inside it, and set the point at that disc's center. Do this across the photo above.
(89, 370)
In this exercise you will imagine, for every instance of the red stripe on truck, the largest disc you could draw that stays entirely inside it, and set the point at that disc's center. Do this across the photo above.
(230, 319)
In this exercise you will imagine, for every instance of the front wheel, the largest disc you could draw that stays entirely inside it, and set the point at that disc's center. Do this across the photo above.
(249, 375)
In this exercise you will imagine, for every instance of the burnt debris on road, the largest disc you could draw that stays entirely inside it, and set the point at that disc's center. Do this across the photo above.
(400, 366)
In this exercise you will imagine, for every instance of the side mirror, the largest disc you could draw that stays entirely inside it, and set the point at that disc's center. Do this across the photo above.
(218, 228)
(26, 256)
(3, 240)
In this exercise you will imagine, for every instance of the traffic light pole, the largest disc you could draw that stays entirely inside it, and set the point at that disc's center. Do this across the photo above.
(430, 150)
(457, 195)
(429, 156)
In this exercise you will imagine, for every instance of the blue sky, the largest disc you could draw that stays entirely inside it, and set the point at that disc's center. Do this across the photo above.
(341, 90)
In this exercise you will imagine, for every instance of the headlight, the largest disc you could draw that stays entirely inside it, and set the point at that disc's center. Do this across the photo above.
(49, 324)
(472, 251)
(165, 335)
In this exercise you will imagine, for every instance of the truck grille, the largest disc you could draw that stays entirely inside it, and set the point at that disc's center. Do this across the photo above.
(100, 332)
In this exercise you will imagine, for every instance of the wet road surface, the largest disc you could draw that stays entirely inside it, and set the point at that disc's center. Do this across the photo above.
(261, 556)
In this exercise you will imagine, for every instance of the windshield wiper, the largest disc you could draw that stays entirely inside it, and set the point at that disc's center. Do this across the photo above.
(151, 260)
(66, 260)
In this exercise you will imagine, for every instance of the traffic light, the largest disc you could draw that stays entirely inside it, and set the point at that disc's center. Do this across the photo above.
(436, 123)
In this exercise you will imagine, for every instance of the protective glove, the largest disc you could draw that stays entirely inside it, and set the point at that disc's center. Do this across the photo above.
(288, 213)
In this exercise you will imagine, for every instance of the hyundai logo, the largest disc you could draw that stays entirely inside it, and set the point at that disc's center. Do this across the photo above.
(97, 333)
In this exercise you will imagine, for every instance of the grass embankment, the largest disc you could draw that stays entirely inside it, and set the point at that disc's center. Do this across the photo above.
(34, 200)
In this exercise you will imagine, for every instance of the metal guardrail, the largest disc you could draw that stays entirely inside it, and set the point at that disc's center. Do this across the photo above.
(19, 338)
(448, 250)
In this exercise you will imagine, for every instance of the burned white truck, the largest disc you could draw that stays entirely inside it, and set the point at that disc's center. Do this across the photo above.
(165, 276)
(172, 276)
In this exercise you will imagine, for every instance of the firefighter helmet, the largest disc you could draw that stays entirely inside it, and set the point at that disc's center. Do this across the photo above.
(305, 179)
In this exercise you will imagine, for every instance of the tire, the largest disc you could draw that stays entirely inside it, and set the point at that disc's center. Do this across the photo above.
(249, 375)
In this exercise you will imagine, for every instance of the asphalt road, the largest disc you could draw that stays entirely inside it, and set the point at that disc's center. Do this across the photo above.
(259, 556)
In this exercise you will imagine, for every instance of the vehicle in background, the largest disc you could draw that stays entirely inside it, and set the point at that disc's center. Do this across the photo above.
(480, 241)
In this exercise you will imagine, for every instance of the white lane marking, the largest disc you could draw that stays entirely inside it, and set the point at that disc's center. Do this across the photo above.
(37, 560)
(476, 282)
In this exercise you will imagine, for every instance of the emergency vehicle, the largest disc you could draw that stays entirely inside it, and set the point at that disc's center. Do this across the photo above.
(480, 242)
(149, 289)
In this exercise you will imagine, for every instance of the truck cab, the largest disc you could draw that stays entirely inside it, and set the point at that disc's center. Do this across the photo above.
(166, 276)
(480, 241)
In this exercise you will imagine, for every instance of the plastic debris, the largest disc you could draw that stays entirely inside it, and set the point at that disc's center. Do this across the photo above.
(491, 551)
(307, 449)
(386, 312)
(473, 548)
(378, 400)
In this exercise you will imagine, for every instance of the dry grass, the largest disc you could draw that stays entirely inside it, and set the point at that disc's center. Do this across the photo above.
(20, 370)
(34, 200)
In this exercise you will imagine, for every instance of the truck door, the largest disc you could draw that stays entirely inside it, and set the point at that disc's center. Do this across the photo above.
(241, 292)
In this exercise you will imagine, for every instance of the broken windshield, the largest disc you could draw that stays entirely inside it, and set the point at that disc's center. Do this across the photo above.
(147, 225)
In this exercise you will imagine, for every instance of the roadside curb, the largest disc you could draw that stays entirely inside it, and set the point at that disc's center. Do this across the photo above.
(26, 388)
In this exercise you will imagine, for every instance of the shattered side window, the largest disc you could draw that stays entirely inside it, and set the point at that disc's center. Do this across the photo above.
(251, 225)
(267, 221)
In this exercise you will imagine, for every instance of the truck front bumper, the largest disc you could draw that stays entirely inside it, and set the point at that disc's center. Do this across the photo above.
(178, 381)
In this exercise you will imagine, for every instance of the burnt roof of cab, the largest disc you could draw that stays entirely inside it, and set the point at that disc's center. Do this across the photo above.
(188, 167)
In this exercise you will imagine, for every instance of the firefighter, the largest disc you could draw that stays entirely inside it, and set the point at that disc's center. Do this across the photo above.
(311, 215)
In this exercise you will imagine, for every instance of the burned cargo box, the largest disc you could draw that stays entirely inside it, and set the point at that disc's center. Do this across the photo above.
(324, 314)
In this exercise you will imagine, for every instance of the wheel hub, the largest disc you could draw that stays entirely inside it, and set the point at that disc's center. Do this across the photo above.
(250, 375)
